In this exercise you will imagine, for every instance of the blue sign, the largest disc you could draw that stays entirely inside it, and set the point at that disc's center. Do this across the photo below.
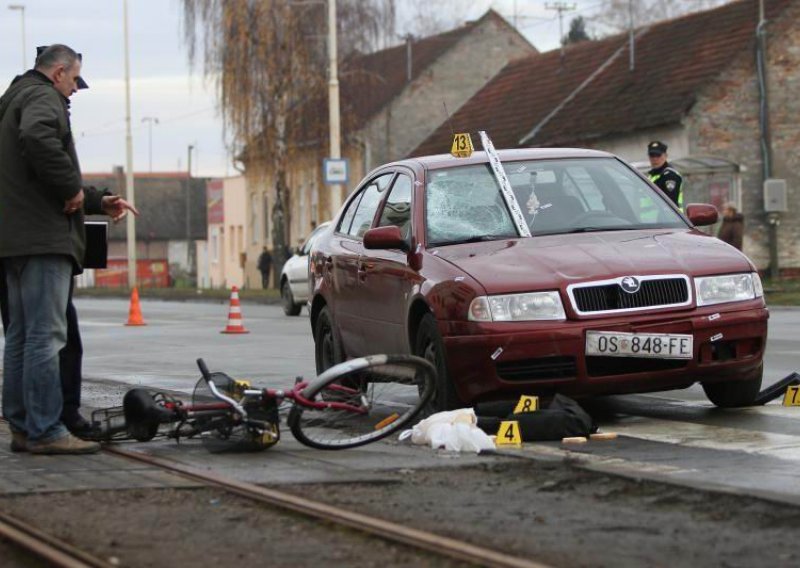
(335, 171)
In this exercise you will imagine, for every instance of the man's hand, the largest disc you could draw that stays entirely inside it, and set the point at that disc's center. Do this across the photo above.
(116, 207)
(72, 205)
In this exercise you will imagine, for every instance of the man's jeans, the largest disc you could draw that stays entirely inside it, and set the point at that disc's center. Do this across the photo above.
(38, 288)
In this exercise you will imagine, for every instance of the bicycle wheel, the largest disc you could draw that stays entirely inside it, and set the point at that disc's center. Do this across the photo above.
(221, 432)
(363, 400)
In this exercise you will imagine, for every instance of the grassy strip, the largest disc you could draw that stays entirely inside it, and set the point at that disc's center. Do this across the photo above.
(782, 292)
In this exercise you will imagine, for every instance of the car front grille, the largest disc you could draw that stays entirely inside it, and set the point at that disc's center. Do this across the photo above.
(543, 368)
(611, 297)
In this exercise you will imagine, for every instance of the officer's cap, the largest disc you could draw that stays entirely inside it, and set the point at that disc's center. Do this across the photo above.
(79, 81)
(656, 148)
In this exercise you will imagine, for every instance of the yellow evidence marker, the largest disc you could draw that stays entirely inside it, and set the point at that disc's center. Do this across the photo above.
(527, 404)
(508, 434)
(462, 145)
(792, 396)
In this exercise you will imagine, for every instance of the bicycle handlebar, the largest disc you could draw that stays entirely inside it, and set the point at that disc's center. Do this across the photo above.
(203, 369)
(215, 391)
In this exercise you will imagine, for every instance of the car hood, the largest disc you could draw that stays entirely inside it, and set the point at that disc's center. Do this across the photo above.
(550, 262)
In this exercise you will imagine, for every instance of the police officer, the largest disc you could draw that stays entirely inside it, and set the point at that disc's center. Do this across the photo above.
(663, 175)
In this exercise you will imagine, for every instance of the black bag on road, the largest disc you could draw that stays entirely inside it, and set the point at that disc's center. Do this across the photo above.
(563, 418)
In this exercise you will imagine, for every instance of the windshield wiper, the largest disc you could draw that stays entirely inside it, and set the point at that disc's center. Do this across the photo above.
(585, 230)
(475, 239)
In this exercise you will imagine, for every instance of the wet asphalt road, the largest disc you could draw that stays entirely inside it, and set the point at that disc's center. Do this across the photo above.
(674, 436)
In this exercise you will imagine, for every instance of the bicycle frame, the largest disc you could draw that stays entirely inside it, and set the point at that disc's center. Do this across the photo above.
(223, 409)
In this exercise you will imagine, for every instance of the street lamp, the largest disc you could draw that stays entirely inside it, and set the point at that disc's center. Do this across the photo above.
(150, 120)
(21, 9)
(131, 226)
(334, 118)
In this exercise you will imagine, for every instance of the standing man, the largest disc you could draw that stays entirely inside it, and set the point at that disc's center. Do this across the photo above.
(732, 229)
(663, 175)
(264, 267)
(42, 244)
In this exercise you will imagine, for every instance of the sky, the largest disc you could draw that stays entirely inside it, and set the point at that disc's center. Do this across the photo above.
(163, 86)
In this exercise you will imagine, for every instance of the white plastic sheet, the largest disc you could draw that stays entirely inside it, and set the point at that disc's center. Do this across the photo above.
(452, 430)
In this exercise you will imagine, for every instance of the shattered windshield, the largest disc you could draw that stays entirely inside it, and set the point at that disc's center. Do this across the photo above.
(464, 204)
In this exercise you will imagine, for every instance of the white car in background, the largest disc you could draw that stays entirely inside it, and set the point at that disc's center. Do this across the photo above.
(294, 276)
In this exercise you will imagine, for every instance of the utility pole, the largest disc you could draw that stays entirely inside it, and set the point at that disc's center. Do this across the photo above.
(409, 38)
(131, 226)
(630, 35)
(21, 9)
(561, 7)
(333, 105)
(150, 120)
(773, 217)
(189, 208)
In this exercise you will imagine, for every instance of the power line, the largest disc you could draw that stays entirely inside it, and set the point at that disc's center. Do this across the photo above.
(100, 130)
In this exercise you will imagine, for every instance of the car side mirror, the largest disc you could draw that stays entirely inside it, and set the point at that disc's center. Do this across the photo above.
(702, 214)
(388, 237)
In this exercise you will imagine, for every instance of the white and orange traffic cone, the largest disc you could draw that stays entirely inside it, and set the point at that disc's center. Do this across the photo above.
(235, 324)
(135, 311)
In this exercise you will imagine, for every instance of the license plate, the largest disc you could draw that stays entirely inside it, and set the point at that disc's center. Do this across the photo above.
(650, 345)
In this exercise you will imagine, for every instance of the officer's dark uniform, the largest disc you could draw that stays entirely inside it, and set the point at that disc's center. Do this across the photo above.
(666, 178)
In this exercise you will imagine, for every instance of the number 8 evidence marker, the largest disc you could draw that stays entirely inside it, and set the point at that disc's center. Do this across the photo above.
(527, 404)
(505, 185)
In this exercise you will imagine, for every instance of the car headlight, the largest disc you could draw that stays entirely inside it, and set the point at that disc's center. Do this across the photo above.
(517, 307)
(729, 288)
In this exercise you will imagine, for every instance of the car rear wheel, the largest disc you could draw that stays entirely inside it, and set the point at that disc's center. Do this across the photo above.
(429, 345)
(732, 394)
(290, 308)
(327, 351)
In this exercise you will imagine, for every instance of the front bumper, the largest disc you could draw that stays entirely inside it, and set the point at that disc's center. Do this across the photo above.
(501, 359)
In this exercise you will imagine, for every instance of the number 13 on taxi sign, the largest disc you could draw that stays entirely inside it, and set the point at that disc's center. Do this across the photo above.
(462, 145)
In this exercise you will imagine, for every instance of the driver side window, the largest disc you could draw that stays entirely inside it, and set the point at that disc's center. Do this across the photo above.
(397, 210)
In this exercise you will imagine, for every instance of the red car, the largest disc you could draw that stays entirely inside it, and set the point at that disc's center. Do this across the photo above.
(613, 291)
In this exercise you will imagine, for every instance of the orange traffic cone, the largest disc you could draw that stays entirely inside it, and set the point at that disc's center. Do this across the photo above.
(135, 312)
(235, 324)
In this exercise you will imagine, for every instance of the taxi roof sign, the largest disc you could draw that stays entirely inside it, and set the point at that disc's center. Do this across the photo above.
(462, 145)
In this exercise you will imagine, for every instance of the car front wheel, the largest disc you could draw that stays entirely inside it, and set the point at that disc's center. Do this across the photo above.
(290, 308)
(327, 351)
(732, 394)
(429, 345)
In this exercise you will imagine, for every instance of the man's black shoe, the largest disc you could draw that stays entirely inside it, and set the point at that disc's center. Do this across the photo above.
(81, 428)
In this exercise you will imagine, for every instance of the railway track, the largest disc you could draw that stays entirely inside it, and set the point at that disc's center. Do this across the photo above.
(61, 554)
(56, 552)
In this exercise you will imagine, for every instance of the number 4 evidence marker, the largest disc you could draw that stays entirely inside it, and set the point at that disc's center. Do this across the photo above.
(508, 434)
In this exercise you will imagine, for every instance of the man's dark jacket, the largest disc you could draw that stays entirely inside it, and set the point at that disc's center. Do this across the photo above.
(39, 172)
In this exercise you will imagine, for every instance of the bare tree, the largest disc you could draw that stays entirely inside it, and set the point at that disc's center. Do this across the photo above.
(425, 18)
(614, 15)
(268, 60)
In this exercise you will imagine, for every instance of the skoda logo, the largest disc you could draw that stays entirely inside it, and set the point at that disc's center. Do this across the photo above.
(630, 284)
